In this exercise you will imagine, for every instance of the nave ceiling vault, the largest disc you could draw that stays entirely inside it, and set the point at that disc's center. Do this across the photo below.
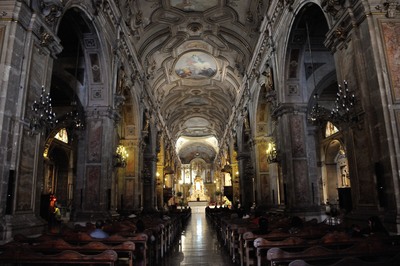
(195, 54)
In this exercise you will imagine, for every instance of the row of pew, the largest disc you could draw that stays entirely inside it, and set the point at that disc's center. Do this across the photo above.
(313, 244)
(126, 244)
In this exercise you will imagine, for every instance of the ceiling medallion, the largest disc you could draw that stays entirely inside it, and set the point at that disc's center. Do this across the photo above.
(194, 27)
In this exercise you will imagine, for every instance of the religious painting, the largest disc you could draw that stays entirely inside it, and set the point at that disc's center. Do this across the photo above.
(391, 38)
(193, 5)
(196, 65)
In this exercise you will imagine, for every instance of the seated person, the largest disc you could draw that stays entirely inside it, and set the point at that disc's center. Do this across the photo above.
(98, 232)
(262, 227)
(296, 225)
(375, 227)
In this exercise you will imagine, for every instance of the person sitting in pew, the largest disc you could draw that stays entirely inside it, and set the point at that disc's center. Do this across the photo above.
(99, 232)
(375, 227)
(296, 225)
(355, 231)
(262, 227)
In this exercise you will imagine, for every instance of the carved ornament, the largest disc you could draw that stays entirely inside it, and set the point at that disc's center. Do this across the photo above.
(51, 10)
(48, 41)
(332, 7)
(390, 6)
(96, 4)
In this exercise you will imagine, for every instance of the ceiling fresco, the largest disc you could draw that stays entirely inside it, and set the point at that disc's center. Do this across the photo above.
(196, 65)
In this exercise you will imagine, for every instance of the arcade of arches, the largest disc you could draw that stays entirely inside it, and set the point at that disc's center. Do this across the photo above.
(217, 102)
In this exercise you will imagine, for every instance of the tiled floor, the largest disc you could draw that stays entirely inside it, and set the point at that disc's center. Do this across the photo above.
(198, 246)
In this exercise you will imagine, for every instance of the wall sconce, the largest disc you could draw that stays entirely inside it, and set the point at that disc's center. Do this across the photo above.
(272, 153)
(43, 116)
(120, 156)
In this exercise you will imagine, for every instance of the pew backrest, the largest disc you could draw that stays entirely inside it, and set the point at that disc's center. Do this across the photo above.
(362, 249)
(29, 257)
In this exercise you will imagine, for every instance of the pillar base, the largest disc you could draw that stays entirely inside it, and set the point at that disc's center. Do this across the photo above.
(27, 224)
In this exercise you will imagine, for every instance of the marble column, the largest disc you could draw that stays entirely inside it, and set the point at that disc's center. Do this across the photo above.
(92, 197)
(149, 172)
(297, 157)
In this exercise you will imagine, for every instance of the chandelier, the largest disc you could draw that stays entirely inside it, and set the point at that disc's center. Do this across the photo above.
(75, 119)
(343, 111)
(272, 153)
(120, 156)
(319, 114)
(43, 116)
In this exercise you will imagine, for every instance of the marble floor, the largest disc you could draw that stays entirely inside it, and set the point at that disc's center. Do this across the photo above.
(198, 245)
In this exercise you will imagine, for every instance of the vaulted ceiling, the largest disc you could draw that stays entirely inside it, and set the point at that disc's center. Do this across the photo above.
(195, 55)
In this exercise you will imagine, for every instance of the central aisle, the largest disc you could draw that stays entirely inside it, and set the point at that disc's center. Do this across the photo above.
(198, 245)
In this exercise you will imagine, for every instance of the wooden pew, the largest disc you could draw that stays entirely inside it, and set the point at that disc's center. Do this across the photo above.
(140, 241)
(125, 250)
(353, 261)
(372, 251)
(25, 239)
(29, 257)
(262, 245)
(332, 240)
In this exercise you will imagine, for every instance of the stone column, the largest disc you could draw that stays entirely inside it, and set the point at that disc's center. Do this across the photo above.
(95, 158)
(149, 171)
(296, 158)
(246, 175)
(25, 69)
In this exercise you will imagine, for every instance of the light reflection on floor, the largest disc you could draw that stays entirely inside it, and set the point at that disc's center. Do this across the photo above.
(198, 246)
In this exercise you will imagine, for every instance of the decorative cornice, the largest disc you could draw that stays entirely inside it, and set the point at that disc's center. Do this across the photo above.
(51, 10)
(339, 34)
(109, 11)
(96, 4)
(333, 7)
(47, 40)
(391, 7)
(277, 12)
(283, 109)
(289, 5)
(264, 48)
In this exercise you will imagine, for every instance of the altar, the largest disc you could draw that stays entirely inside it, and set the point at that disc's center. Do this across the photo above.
(198, 206)
(198, 193)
